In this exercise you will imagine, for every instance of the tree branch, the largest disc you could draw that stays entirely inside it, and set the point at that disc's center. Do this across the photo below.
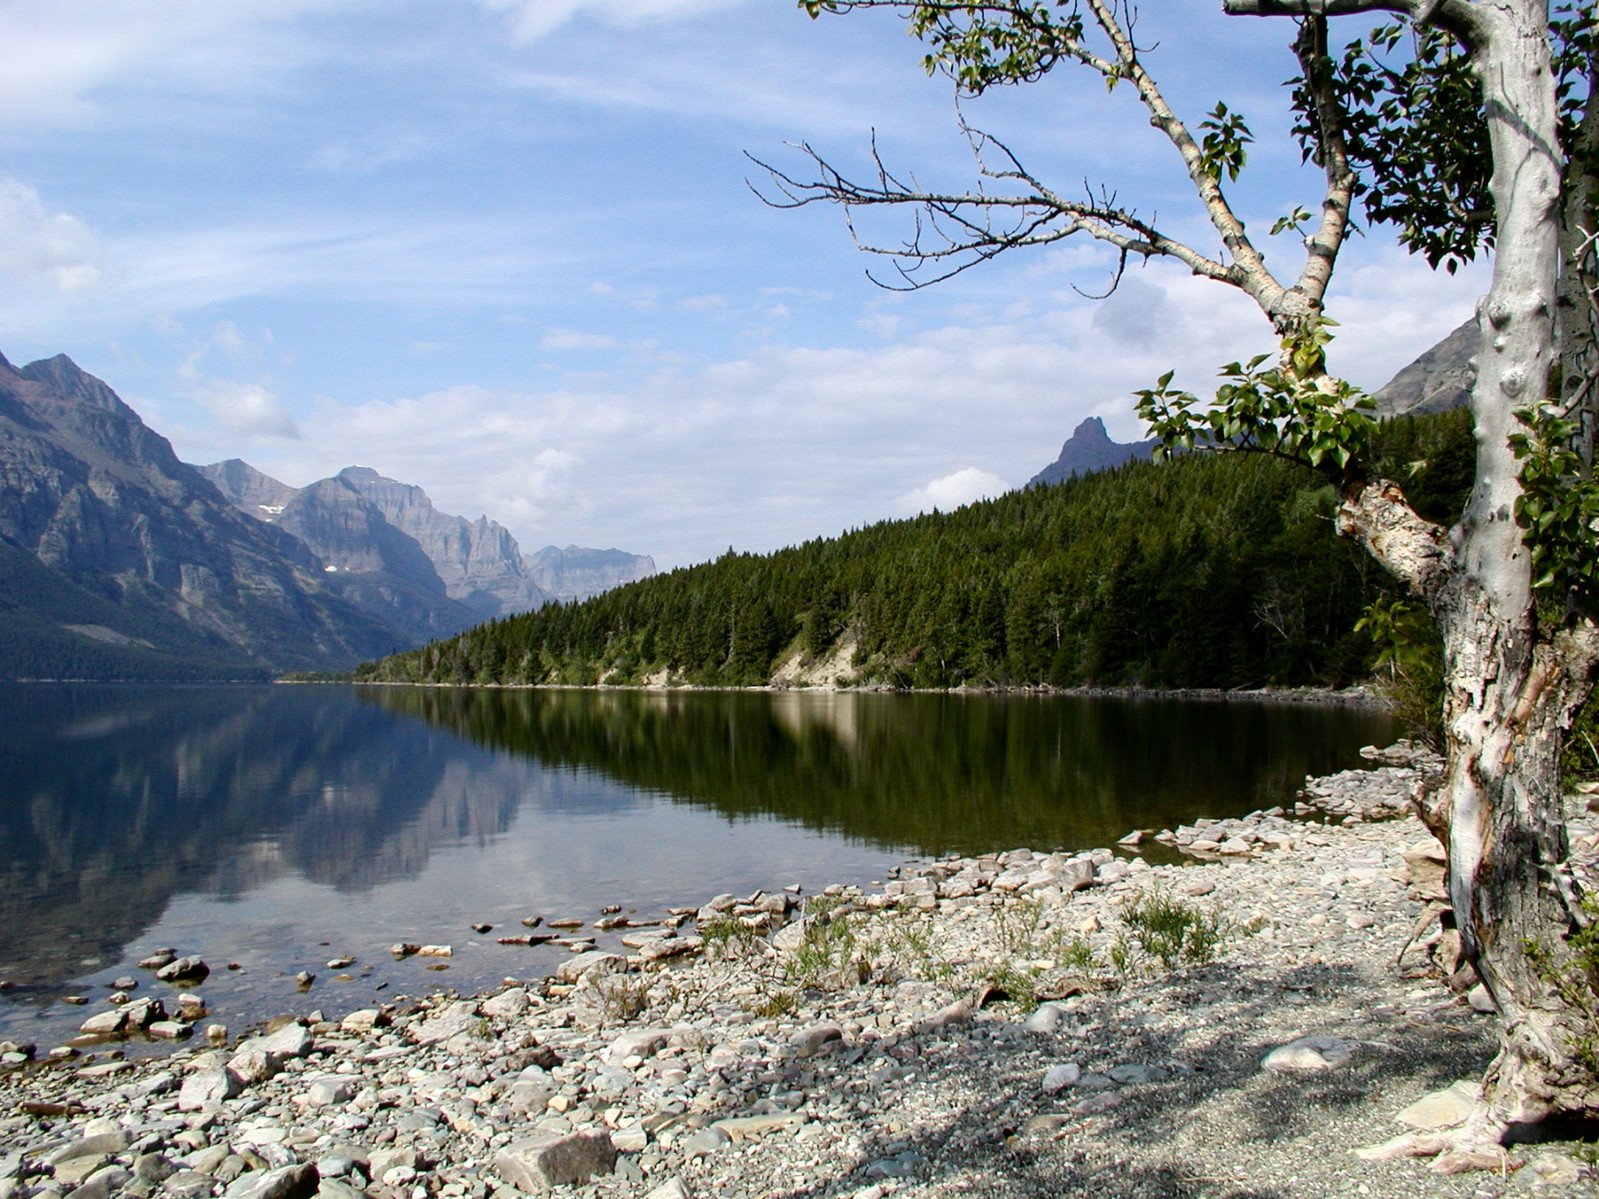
(966, 228)
(1376, 515)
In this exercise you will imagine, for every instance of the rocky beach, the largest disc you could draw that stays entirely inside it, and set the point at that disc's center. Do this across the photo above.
(1229, 1009)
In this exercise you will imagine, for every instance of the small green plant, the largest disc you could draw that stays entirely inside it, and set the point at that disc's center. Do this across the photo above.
(1573, 974)
(776, 1003)
(1077, 954)
(1121, 954)
(623, 997)
(727, 935)
(1018, 985)
(827, 953)
(1410, 665)
(1173, 931)
(1016, 926)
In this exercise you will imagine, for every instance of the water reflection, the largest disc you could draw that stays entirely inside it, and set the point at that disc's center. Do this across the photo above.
(117, 799)
(264, 822)
(940, 773)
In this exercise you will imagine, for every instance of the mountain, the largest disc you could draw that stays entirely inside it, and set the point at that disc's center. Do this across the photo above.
(479, 561)
(122, 561)
(1437, 381)
(1090, 449)
(363, 557)
(363, 525)
(575, 573)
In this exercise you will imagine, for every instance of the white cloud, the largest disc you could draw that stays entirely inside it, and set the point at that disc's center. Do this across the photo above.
(574, 339)
(41, 247)
(952, 491)
(55, 66)
(530, 20)
(245, 409)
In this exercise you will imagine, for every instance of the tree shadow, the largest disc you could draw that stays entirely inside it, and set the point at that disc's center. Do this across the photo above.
(1211, 1123)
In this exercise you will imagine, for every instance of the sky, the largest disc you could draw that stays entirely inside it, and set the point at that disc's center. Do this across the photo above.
(512, 251)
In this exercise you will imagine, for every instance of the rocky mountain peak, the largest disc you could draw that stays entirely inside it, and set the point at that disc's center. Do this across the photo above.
(1091, 449)
(67, 379)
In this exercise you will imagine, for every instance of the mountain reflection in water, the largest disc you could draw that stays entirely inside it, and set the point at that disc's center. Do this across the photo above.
(266, 823)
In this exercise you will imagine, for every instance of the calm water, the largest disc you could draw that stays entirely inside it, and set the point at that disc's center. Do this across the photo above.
(276, 827)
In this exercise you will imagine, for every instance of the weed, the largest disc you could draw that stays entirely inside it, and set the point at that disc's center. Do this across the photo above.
(1018, 985)
(1173, 931)
(623, 998)
(1077, 954)
(776, 1003)
(828, 954)
(1016, 925)
(727, 935)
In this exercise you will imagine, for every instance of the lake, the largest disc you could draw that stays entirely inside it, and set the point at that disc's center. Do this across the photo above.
(272, 828)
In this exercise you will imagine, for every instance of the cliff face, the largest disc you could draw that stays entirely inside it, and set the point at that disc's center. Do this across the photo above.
(479, 562)
(576, 573)
(1437, 381)
(364, 558)
(98, 498)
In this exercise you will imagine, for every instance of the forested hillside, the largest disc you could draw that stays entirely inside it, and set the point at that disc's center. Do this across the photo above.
(1215, 570)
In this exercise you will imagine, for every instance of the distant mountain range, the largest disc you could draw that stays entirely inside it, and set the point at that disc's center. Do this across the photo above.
(1437, 381)
(119, 561)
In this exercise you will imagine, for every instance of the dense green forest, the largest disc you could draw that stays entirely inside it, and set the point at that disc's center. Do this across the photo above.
(1213, 570)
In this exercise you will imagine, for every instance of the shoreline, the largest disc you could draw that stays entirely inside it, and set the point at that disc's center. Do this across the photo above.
(1361, 695)
(886, 1045)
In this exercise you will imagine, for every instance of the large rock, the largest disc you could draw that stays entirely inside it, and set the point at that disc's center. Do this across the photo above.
(207, 1088)
(539, 1164)
(288, 1182)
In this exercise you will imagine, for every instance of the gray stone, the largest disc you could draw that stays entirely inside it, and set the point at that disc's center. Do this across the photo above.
(103, 1185)
(289, 1182)
(188, 1184)
(507, 1005)
(808, 1041)
(672, 1188)
(105, 1024)
(1309, 1054)
(208, 1088)
(1047, 1019)
(186, 969)
(103, 1143)
(329, 1089)
(1058, 1078)
(594, 961)
(632, 1138)
(642, 1043)
(1442, 1109)
(705, 1142)
(538, 1164)
(449, 1022)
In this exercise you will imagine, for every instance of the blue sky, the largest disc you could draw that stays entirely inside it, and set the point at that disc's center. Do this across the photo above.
(505, 249)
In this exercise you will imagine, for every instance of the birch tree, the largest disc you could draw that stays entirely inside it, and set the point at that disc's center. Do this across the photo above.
(1513, 585)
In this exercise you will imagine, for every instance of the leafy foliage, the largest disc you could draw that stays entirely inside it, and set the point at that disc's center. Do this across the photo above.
(1291, 409)
(1416, 133)
(1559, 504)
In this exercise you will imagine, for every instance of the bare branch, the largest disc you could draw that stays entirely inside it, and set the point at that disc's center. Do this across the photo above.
(961, 229)
(1464, 17)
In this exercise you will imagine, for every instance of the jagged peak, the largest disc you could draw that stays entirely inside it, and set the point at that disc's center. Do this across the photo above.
(1092, 426)
(67, 377)
(364, 474)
